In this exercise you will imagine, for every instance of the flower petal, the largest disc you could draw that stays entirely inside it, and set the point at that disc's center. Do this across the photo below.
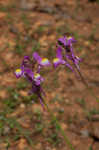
(18, 73)
(56, 62)
(38, 79)
(37, 57)
(45, 62)
(28, 74)
(59, 52)
(70, 40)
(62, 41)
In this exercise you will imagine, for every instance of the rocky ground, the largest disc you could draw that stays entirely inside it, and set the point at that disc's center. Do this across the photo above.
(36, 25)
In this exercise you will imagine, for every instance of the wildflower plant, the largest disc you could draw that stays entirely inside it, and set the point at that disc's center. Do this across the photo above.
(30, 69)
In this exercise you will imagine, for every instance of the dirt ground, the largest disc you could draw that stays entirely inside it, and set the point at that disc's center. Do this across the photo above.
(35, 25)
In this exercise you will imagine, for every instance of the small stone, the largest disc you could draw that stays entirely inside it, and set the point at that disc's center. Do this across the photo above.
(85, 133)
(95, 130)
(67, 101)
(48, 148)
(27, 5)
(13, 30)
(26, 38)
(22, 105)
(6, 130)
(47, 9)
(61, 110)
(95, 117)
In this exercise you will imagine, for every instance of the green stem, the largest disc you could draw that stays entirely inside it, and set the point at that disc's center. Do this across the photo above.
(58, 125)
(86, 85)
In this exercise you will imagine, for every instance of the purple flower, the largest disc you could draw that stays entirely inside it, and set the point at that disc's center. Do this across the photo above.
(66, 44)
(24, 68)
(37, 89)
(18, 73)
(38, 79)
(42, 62)
(59, 59)
(35, 79)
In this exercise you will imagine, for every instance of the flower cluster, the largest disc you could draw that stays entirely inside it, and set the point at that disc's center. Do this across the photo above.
(66, 44)
(28, 71)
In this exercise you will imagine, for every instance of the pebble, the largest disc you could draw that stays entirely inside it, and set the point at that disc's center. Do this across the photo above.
(6, 130)
(95, 130)
(48, 148)
(22, 105)
(85, 133)
(61, 110)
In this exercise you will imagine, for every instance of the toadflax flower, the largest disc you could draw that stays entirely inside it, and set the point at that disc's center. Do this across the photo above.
(24, 65)
(66, 43)
(42, 62)
(27, 70)
(59, 59)
(18, 72)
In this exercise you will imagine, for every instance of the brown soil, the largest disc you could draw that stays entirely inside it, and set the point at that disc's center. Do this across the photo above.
(36, 25)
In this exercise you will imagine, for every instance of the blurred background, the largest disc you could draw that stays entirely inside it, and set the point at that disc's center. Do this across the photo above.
(35, 25)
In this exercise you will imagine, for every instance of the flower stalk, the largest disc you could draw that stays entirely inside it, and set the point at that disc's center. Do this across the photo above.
(86, 84)
(66, 44)
(59, 126)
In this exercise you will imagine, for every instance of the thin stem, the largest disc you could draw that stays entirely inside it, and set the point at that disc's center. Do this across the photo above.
(58, 125)
(42, 104)
(86, 84)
